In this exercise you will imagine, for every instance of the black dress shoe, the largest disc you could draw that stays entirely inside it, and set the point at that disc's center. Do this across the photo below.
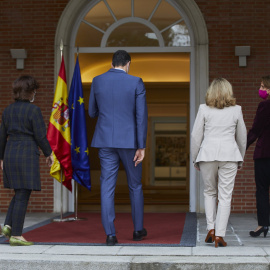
(139, 235)
(263, 229)
(111, 240)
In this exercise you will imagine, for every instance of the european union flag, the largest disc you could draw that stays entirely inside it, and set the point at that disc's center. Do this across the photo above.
(79, 146)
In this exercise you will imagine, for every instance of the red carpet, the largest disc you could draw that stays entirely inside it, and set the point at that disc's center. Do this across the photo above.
(163, 228)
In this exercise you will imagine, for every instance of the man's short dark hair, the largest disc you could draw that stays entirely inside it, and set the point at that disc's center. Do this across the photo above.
(120, 58)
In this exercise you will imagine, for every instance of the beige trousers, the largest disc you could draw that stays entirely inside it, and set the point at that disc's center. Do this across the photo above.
(218, 178)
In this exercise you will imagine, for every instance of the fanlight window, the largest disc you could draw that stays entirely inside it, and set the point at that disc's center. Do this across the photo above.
(132, 23)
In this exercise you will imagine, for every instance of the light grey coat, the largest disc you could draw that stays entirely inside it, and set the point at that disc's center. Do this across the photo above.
(219, 135)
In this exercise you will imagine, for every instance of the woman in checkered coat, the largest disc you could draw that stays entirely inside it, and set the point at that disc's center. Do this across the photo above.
(22, 131)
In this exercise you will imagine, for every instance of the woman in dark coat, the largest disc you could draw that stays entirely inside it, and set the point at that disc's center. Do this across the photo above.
(260, 131)
(22, 131)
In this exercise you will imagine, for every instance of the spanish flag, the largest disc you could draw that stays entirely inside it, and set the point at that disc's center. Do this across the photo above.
(59, 132)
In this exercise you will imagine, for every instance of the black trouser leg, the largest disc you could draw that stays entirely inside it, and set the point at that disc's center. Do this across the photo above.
(8, 220)
(262, 179)
(17, 211)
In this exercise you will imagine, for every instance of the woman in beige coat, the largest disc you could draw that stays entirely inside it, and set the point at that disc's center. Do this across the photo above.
(218, 143)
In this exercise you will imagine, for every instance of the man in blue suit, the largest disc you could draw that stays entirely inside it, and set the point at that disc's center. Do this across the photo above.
(119, 101)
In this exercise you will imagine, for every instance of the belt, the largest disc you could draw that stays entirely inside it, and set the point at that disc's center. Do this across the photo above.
(21, 138)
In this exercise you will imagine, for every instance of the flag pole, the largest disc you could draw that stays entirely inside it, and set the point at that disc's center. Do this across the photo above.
(76, 203)
(61, 213)
(76, 186)
(59, 96)
(61, 219)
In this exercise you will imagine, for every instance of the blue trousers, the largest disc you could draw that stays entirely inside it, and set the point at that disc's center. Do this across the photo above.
(17, 211)
(109, 161)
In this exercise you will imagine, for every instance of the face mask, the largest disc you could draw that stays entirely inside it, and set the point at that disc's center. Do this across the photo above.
(263, 94)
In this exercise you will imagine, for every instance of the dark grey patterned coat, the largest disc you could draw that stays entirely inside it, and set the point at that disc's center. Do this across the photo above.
(22, 131)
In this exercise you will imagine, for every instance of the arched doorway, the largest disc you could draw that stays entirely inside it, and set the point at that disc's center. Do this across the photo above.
(158, 27)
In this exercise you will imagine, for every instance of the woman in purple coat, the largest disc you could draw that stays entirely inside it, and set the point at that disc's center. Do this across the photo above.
(260, 131)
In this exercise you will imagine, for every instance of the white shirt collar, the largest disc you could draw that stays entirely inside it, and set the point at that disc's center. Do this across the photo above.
(120, 69)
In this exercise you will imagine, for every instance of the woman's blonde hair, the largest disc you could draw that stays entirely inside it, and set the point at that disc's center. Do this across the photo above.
(220, 94)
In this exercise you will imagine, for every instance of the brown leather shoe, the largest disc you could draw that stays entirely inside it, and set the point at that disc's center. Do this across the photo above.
(219, 242)
(210, 237)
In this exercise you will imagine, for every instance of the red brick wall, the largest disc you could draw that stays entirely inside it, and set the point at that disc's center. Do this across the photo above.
(240, 23)
(32, 25)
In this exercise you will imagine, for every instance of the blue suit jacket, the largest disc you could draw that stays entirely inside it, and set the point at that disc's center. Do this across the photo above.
(119, 101)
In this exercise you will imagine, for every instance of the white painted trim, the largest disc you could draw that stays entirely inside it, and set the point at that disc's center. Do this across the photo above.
(112, 27)
(93, 26)
(154, 10)
(132, 8)
(109, 8)
(199, 80)
(168, 27)
(192, 105)
(132, 49)
(57, 198)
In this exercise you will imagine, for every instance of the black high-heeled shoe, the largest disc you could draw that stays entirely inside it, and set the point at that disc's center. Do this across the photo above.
(263, 229)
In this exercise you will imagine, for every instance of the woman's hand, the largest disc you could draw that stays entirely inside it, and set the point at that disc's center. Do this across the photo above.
(196, 166)
(49, 160)
(240, 165)
(2, 163)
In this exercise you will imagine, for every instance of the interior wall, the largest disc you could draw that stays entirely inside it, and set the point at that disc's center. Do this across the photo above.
(151, 67)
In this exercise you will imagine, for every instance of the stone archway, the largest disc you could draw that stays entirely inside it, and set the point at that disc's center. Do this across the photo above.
(198, 81)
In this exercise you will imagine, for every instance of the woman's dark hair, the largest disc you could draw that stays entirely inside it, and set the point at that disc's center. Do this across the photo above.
(24, 87)
(120, 58)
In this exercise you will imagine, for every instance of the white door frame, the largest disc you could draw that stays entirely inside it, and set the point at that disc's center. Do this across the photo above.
(199, 73)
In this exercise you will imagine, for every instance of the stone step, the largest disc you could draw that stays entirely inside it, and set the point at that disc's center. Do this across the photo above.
(65, 257)
(67, 262)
